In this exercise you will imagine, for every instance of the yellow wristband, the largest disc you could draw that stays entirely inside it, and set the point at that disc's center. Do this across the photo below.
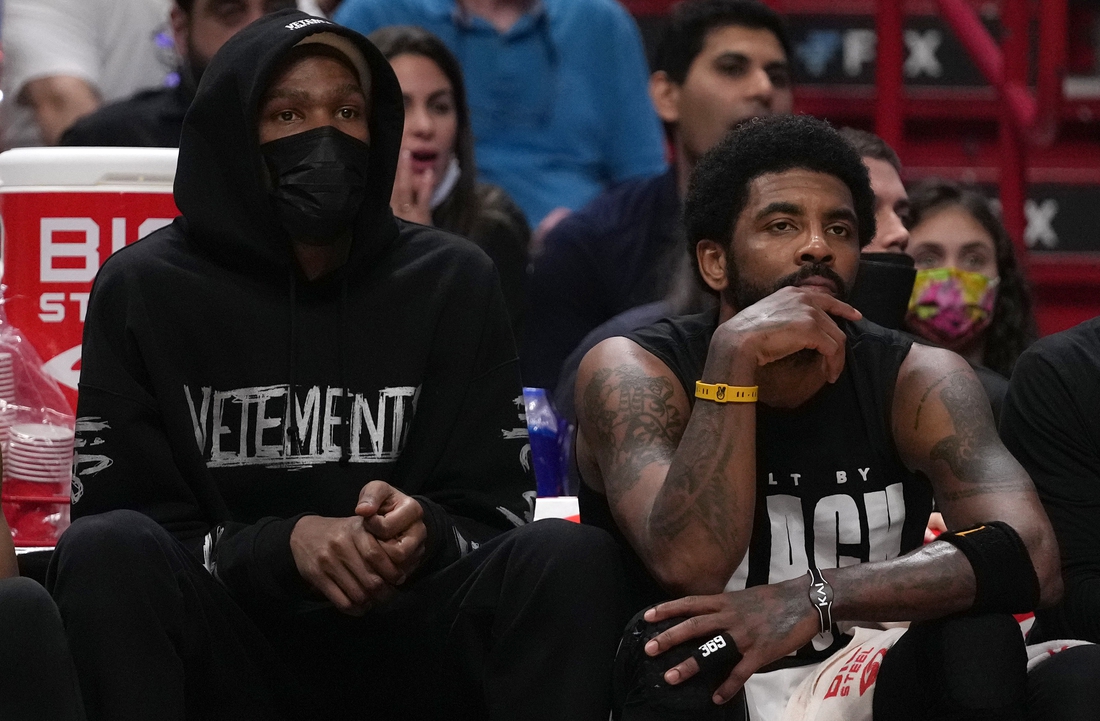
(722, 393)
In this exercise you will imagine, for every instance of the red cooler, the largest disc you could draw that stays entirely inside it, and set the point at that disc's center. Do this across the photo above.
(64, 210)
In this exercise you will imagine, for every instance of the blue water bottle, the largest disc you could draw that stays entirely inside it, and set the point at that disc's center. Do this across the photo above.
(542, 430)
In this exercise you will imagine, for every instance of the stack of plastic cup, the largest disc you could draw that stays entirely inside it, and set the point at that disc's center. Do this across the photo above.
(7, 394)
(7, 378)
(37, 472)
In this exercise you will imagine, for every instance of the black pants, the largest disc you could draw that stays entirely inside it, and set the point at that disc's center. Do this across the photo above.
(975, 667)
(37, 679)
(954, 669)
(525, 627)
(1066, 687)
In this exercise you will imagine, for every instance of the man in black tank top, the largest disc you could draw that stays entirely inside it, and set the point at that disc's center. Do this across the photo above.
(808, 507)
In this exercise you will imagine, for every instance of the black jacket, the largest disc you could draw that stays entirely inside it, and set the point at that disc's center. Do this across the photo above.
(195, 334)
(149, 119)
(618, 252)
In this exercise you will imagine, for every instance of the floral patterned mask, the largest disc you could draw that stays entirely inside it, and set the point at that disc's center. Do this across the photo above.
(951, 306)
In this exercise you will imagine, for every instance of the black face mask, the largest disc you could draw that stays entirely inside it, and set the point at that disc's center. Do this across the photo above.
(319, 181)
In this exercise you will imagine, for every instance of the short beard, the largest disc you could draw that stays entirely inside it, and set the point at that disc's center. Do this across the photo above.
(741, 293)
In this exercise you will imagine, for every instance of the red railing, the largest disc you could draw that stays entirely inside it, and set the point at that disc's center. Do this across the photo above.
(1066, 287)
(1026, 118)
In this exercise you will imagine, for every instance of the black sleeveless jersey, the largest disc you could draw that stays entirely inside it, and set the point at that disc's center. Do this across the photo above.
(830, 485)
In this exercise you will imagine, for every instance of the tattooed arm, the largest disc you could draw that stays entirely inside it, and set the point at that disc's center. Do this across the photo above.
(943, 427)
(681, 485)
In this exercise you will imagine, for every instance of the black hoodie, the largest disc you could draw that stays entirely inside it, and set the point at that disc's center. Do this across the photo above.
(195, 334)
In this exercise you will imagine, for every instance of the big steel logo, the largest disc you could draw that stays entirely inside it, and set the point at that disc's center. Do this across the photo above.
(53, 245)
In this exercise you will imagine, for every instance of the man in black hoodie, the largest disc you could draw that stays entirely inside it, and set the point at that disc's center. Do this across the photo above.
(293, 405)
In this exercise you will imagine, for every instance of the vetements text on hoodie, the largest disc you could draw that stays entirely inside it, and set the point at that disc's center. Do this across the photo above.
(248, 426)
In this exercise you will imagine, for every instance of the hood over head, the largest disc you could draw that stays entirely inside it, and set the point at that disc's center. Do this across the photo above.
(222, 184)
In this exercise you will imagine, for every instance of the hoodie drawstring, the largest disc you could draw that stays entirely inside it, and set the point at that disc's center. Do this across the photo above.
(292, 393)
(345, 447)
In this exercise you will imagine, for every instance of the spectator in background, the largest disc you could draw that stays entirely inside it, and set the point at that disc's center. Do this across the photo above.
(970, 295)
(720, 62)
(885, 280)
(556, 90)
(154, 117)
(63, 58)
(891, 200)
(37, 679)
(436, 181)
(1050, 423)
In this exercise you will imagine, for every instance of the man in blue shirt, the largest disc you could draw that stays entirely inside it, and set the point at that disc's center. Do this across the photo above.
(720, 63)
(556, 88)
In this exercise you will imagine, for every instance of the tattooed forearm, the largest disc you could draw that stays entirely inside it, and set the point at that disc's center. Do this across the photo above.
(635, 423)
(968, 406)
(692, 524)
(697, 491)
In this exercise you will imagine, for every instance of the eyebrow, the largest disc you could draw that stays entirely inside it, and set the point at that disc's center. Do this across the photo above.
(842, 214)
(350, 89)
(939, 247)
(290, 94)
(731, 54)
(743, 58)
(780, 207)
(305, 95)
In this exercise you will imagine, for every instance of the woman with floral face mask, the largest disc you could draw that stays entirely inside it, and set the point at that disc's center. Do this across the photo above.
(970, 295)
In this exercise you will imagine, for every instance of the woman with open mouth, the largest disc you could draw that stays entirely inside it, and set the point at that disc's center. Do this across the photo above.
(436, 182)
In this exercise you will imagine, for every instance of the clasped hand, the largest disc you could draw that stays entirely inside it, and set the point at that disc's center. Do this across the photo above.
(765, 622)
(359, 562)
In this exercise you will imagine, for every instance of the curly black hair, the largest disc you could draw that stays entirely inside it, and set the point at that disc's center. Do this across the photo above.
(691, 20)
(1012, 327)
(720, 183)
